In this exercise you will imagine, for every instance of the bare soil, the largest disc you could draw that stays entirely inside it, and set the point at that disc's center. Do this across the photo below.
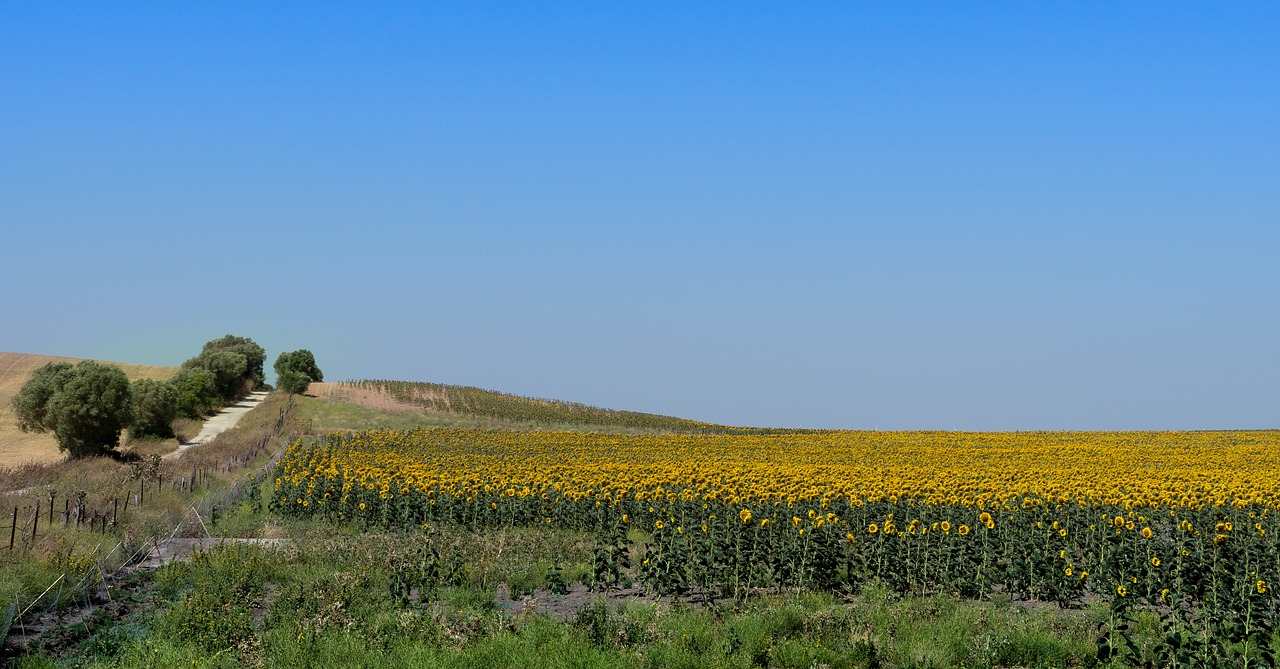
(565, 606)
(363, 397)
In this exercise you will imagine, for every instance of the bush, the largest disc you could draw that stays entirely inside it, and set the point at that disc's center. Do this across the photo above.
(297, 369)
(195, 392)
(293, 382)
(85, 406)
(155, 405)
(235, 363)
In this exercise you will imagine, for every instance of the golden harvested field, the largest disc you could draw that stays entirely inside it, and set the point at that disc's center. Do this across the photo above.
(488, 408)
(17, 447)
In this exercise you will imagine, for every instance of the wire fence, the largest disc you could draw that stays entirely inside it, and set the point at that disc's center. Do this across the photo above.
(96, 580)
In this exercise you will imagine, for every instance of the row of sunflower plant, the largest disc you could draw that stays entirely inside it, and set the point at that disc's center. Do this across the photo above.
(1179, 524)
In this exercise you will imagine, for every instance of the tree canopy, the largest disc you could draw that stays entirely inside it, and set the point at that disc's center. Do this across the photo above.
(155, 405)
(85, 406)
(196, 392)
(297, 369)
(235, 364)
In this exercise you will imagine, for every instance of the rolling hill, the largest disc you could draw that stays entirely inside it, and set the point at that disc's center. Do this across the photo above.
(402, 404)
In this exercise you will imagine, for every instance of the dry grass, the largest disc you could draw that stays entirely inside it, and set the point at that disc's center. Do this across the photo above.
(16, 447)
(368, 398)
(186, 429)
(346, 405)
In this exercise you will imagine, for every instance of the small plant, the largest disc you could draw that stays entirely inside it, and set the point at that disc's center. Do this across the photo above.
(556, 582)
(597, 622)
(610, 557)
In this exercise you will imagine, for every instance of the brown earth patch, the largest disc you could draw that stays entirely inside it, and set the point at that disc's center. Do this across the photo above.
(364, 397)
(565, 606)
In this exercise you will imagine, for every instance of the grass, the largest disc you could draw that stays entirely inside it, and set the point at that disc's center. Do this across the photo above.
(467, 400)
(103, 486)
(332, 607)
(17, 447)
(333, 595)
(328, 415)
(328, 600)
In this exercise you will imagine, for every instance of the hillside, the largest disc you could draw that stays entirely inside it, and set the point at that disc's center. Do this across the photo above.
(17, 447)
(379, 403)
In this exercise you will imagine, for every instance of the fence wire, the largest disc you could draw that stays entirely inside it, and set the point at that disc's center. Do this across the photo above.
(104, 571)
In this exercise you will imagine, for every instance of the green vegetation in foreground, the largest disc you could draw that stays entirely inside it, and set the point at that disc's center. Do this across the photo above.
(59, 549)
(341, 597)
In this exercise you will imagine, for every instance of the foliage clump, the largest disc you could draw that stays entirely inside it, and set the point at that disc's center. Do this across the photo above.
(86, 406)
(297, 370)
(155, 405)
(196, 393)
(235, 364)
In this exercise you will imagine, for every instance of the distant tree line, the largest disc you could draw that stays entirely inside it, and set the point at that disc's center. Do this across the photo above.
(87, 405)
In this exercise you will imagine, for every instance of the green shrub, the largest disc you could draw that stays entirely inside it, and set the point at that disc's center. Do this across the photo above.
(155, 405)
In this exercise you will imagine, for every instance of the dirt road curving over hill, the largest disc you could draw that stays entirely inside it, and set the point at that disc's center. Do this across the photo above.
(221, 422)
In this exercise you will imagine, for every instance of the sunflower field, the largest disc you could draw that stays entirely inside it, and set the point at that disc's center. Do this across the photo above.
(1183, 525)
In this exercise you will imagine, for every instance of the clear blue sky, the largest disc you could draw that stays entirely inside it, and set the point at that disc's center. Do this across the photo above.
(896, 215)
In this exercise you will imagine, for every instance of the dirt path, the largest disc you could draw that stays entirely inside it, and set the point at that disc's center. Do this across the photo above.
(224, 420)
(170, 550)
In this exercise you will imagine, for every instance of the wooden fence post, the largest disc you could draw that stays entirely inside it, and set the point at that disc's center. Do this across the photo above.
(35, 522)
(13, 531)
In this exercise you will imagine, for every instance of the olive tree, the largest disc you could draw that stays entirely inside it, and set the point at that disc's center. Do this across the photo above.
(155, 405)
(196, 392)
(85, 406)
(235, 363)
(297, 369)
